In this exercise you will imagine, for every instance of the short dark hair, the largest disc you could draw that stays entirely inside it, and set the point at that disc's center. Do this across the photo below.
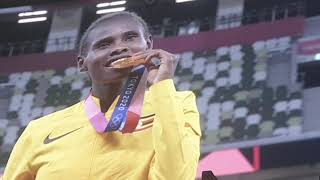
(84, 43)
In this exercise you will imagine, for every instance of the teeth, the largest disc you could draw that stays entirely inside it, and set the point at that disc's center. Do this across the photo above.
(120, 59)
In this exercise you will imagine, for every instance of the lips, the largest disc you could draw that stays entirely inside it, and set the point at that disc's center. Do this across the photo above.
(116, 59)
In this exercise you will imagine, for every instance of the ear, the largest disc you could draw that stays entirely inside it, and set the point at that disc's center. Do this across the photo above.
(150, 42)
(81, 64)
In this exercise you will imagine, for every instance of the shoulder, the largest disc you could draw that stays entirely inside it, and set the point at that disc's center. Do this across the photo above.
(187, 97)
(185, 94)
(54, 120)
(58, 115)
(36, 131)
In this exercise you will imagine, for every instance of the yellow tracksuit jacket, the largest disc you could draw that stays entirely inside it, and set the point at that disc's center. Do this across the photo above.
(65, 146)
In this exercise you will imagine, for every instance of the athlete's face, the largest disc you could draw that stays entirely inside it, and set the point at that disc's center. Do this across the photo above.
(113, 39)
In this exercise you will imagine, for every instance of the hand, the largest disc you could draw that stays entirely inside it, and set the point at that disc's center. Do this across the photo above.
(168, 64)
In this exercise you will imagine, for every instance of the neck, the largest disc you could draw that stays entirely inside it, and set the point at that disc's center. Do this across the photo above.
(106, 94)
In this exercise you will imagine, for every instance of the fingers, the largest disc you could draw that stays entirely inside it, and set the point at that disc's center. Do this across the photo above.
(139, 56)
(147, 57)
(155, 58)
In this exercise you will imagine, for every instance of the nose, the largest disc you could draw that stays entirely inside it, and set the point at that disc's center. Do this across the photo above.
(119, 50)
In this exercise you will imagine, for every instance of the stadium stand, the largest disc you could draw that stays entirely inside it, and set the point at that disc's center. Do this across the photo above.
(234, 98)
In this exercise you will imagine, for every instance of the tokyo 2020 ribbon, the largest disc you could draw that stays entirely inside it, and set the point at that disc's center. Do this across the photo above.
(126, 115)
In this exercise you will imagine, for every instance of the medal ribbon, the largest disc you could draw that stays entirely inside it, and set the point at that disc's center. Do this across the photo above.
(126, 115)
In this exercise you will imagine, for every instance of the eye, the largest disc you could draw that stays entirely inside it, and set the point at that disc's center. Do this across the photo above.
(130, 37)
(103, 44)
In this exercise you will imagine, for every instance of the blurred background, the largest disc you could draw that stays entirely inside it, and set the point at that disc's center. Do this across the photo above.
(253, 64)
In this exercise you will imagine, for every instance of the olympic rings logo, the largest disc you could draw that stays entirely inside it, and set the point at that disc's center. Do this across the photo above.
(116, 120)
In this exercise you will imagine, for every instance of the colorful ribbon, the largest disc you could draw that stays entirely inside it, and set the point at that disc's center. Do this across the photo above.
(126, 115)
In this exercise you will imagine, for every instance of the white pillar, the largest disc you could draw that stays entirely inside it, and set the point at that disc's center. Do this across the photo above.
(229, 13)
(64, 30)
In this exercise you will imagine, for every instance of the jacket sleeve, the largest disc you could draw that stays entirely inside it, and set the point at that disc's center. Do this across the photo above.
(176, 133)
(18, 166)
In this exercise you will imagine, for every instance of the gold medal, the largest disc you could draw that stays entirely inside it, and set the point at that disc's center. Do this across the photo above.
(127, 62)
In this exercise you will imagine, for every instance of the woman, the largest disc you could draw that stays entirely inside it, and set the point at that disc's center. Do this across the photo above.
(68, 144)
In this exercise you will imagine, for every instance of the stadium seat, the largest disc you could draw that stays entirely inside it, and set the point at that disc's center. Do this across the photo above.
(271, 44)
(284, 43)
(223, 66)
(241, 112)
(210, 72)
(281, 131)
(3, 127)
(213, 116)
(208, 92)
(295, 130)
(266, 128)
(235, 48)
(225, 133)
(184, 86)
(47, 110)
(202, 103)
(228, 106)
(280, 106)
(56, 80)
(76, 85)
(11, 135)
(258, 46)
(253, 119)
(222, 51)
